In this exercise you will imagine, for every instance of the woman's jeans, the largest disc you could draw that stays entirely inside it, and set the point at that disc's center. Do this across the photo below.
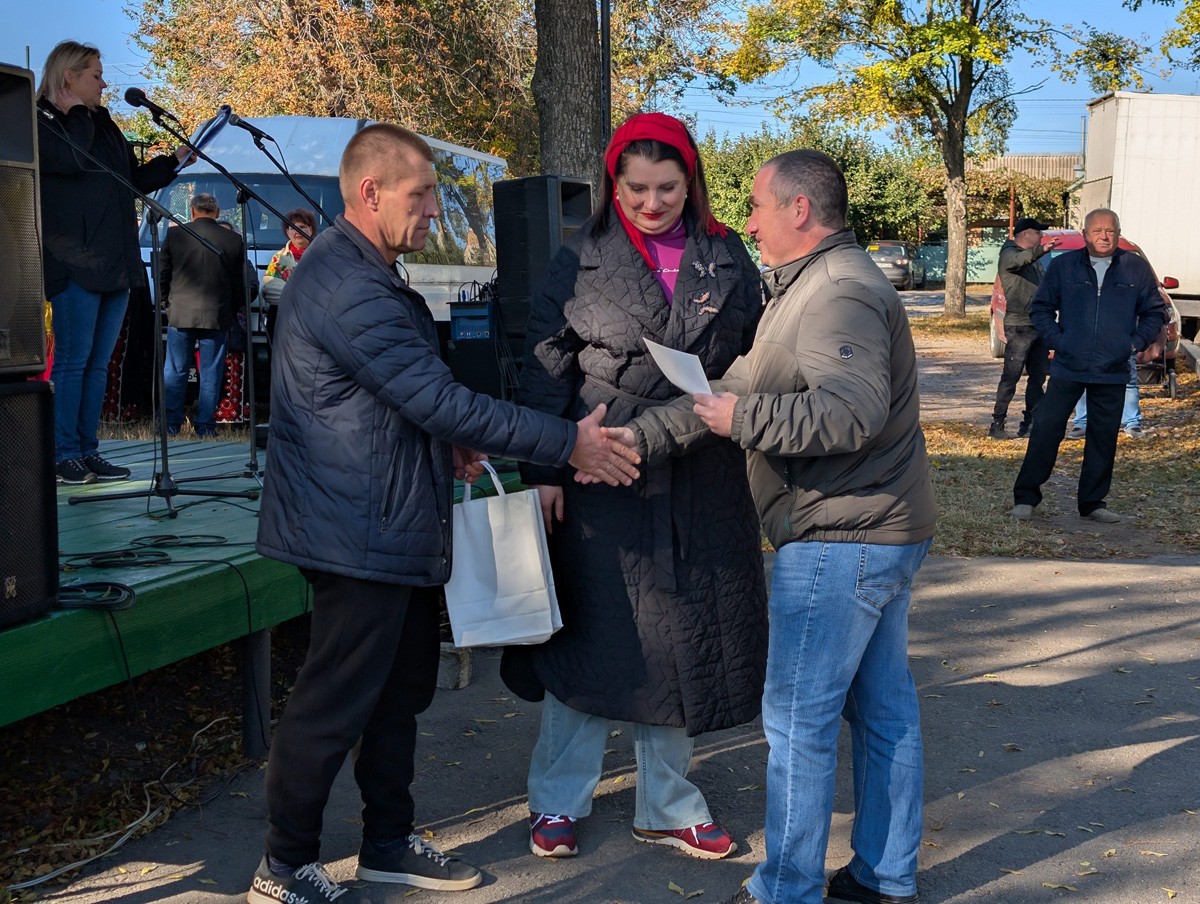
(569, 758)
(839, 649)
(86, 327)
(1131, 413)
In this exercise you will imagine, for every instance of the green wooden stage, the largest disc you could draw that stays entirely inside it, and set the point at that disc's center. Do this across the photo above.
(196, 579)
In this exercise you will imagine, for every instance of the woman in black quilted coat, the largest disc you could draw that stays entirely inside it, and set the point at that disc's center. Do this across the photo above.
(660, 583)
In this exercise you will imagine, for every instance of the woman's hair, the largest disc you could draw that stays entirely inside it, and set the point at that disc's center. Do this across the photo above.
(67, 56)
(301, 216)
(656, 151)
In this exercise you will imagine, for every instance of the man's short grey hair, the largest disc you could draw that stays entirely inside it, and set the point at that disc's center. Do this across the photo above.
(816, 176)
(202, 202)
(1101, 211)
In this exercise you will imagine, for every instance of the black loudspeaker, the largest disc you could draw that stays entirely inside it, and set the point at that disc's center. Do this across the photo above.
(534, 216)
(22, 296)
(28, 514)
(476, 363)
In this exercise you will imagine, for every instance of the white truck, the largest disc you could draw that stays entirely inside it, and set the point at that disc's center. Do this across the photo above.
(1142, 160)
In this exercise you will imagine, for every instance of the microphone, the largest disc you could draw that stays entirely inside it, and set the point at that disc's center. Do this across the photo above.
(235, 120)
(136, 97)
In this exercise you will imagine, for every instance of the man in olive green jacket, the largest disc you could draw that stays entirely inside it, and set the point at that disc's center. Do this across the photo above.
(826, 406)
(1020, 270)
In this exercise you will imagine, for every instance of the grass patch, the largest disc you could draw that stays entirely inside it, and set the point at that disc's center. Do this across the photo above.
(144, 430)
(1154, 478)
(939, 326)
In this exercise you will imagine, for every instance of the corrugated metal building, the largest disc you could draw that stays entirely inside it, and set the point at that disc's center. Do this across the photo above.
(1040, 166)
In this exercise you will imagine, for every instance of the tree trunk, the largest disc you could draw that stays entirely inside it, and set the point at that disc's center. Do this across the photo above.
(955, 161)
(566, 88)
(956, 246)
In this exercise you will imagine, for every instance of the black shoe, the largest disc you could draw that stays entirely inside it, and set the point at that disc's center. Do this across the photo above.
(103, 470)
(416, 863)
(996, 431)
(844, 887)
(743, 897)
(73, 471)
(1023, 429)
(309, 883)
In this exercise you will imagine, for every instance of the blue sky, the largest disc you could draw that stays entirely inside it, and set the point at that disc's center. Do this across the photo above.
(1050, 119)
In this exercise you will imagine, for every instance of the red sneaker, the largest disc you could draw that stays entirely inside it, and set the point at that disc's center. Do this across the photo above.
(708, 840)
(552, 836)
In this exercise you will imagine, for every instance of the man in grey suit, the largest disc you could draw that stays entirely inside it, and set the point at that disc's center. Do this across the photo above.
(200, 290)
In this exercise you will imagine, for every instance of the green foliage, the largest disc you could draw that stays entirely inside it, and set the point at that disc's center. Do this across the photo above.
(1182, 42)
(988, 196)
(935, 73)
(1107, 60)
(658, 47)
(886, 198)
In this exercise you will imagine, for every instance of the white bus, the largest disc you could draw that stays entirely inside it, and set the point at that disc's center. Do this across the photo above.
(461, 250)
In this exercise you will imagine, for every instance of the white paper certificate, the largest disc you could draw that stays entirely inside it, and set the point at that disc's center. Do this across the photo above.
(681, 368)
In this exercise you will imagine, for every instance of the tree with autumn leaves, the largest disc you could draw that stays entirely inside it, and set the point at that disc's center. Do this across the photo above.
(936, 73)
(461, 70)
(521, 77)
(457, 69)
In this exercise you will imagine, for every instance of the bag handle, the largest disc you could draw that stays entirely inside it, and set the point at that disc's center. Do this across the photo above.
(487, 465)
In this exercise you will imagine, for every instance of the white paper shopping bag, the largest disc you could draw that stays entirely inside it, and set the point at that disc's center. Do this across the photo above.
(501, 588)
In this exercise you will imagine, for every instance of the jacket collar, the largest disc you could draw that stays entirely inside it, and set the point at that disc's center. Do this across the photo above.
(369, 251)
(780, 279)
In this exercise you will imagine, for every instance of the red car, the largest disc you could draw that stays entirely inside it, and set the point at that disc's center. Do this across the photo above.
(1154, 362)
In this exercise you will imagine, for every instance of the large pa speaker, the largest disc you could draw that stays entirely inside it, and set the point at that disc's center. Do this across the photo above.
(534, 216)
(28, 516)
(22, 298)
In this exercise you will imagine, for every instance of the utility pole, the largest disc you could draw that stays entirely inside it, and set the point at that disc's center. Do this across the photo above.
(605, 73)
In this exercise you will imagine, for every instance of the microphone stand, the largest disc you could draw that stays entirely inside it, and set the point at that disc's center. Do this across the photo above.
(162, 484)
(258, 143)
(252, 467)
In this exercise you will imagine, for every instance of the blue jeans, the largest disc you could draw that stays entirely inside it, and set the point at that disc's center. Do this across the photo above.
(1131, 413)
(839, 647)
(569, 758)
(86, 327)
(180, 343)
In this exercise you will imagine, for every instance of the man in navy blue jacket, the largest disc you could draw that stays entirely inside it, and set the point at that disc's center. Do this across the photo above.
(368, 431)
(1095, 307)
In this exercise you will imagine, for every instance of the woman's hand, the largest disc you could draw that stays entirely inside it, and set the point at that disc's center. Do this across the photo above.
(467, 463)
(185, 155)
(551, 500)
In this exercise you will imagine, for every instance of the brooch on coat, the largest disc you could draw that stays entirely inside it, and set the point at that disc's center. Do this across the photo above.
(707, 309)
(699, 267)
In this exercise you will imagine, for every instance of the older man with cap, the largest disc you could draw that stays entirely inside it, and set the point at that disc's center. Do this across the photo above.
(1020, 271)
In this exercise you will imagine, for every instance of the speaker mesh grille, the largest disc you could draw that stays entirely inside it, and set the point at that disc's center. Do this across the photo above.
(28, 518)
(22, 297)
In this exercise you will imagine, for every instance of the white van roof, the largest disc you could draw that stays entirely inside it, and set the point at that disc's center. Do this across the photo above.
(308, 145)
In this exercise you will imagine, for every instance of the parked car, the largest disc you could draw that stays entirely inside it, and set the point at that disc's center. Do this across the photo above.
(900, 262)
(1072, 240)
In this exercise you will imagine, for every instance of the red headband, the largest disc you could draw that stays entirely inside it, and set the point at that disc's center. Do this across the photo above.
(657, 127)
